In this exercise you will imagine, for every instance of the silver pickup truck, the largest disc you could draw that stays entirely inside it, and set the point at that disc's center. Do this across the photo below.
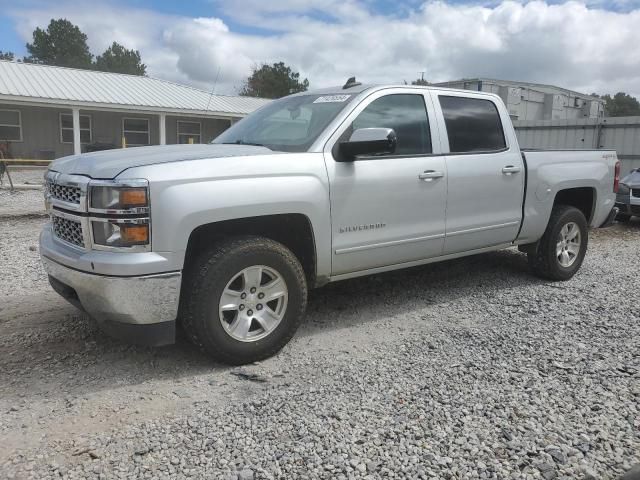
(226, 238)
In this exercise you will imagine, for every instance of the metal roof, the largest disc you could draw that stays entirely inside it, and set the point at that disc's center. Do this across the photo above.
(32, 83)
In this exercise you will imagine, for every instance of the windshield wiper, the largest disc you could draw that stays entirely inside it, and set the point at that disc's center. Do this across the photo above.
(241, 142)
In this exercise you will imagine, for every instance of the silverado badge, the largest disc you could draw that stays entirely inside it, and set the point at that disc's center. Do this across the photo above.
(366, 226)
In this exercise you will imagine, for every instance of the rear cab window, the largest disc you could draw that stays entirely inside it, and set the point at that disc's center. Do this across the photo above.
(473, 125)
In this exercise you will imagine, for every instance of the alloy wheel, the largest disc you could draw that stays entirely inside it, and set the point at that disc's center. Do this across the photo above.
(253, 303)
(568, 244)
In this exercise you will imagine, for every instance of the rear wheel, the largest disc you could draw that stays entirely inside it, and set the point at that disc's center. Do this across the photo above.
(561, 250)
(244, 299)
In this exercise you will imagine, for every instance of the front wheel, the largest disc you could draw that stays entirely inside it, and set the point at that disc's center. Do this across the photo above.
(561, 250)
(244, 299)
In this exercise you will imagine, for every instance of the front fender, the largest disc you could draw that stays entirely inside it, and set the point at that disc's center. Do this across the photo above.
(178, 209)
(188, 194)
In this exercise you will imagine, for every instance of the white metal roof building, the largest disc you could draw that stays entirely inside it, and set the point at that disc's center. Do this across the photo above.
(86, 105)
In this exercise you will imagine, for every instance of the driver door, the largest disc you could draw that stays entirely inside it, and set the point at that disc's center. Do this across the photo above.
(388, 209)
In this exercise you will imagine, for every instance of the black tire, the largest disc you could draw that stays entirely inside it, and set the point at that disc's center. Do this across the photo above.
(623, 217)
(543, 261)
(209, 276)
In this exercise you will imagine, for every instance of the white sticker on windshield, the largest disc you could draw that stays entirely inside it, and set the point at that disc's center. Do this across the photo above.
(332, 99)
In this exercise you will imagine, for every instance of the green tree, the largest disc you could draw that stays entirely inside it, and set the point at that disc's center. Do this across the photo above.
(621, 105)
(420, 81)
(6, 55)
(61, 44)
(118, 59)
(273, 81)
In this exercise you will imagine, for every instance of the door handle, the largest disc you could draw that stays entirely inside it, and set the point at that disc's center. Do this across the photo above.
(510, 169)
(429, 175)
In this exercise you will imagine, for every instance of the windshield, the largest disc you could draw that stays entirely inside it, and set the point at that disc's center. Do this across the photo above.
(290, 124)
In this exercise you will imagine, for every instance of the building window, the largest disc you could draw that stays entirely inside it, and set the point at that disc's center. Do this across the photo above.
(189, 132)
(66, 128)
(136, 131)
(10, 126)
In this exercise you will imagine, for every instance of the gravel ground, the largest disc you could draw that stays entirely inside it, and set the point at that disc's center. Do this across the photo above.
(466, 369)
(22, 272)
(31, 175)
(21, 203)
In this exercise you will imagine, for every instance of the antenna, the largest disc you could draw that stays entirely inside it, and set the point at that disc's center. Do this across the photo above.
(213, 89)
(351, 83)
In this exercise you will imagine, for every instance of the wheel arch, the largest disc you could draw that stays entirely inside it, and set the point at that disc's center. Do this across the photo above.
(293, 230)
(582, 198)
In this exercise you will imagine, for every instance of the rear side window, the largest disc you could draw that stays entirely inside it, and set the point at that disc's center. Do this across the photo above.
(406, 114)
(473, 125)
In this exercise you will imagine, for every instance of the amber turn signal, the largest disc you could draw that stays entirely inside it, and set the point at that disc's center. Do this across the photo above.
(135, 234)
(133, 197)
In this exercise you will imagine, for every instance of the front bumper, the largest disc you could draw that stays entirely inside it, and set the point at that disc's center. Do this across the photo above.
(137, 308)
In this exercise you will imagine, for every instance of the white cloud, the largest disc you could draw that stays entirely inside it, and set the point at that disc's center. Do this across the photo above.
(570, 45)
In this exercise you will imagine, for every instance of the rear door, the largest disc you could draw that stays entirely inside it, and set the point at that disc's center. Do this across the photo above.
(485, 172)
(388, 209)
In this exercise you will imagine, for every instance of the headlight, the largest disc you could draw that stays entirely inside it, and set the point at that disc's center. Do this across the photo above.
(120, 233)
(119, 212)
(131, 196)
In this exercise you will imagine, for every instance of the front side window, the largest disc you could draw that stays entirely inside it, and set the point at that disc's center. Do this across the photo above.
(189, 132)
(473, 125)
(10, 126)
(406, 114)
(290, 124)
(66, 128)
(136, 131)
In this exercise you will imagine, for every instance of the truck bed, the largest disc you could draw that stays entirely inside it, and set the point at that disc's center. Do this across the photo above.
(549, 171)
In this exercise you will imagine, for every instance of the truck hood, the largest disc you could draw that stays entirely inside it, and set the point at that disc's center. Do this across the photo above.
(108, 164)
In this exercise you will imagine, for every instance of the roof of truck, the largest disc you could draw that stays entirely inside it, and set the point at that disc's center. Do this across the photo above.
(356, 89)
(338, 90)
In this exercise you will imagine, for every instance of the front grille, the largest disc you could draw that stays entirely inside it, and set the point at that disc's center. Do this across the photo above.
(635, 192)
(68, 230)
(65, 193)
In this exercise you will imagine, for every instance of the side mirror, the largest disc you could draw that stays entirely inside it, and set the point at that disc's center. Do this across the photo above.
(369, 141)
